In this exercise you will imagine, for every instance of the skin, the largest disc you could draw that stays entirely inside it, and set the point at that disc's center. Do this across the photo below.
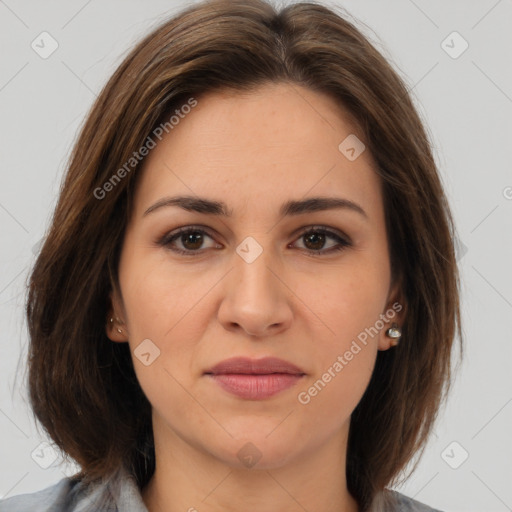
(254, 151)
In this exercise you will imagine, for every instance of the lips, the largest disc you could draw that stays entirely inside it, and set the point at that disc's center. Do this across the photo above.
(247, 366)
(255, 379)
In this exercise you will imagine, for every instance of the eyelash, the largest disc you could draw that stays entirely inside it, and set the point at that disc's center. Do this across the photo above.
(343, 243)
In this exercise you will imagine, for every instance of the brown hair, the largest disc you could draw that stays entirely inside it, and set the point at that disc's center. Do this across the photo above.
(83, 388)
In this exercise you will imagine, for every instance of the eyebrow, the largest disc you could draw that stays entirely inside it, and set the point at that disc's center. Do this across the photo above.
(290, 208)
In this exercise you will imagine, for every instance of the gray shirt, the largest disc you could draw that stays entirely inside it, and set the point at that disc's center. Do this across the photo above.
(121, 494)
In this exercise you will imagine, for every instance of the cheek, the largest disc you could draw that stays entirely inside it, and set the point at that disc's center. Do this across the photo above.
(344, 363)
(347, 299)
(349, 307)
(328, 398)
(168, 308)
(161, 306)
(158, 299)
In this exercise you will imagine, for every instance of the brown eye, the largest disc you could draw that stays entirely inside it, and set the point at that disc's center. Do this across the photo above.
(315, 240)
(191, 240)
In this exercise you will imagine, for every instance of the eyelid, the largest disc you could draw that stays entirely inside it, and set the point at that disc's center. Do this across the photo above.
(173, 234)
(321, 227)
(344, 241)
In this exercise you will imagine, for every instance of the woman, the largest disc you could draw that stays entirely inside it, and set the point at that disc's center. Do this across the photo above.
(248, 294)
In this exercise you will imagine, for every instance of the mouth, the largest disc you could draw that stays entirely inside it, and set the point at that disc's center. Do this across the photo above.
(255, 379)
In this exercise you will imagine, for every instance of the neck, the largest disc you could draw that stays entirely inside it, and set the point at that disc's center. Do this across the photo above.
(189, 479)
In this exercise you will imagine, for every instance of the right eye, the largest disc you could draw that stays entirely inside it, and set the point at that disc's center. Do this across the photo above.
(191, 239)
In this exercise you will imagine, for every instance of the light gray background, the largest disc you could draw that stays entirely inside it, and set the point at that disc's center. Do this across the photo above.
(467, 104)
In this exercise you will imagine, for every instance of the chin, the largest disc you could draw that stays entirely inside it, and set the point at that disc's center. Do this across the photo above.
(258, 446)
(258, 455)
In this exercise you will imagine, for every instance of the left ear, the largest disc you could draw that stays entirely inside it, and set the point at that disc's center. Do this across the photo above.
(395, 313)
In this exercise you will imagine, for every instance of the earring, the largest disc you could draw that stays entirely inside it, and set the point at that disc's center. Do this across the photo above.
(394, 332)
(118, 330)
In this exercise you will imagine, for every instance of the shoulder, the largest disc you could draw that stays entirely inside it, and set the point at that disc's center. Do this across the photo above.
(390, 500)
(406, 504)
(67, 495)
(50, 498)
(119, 492)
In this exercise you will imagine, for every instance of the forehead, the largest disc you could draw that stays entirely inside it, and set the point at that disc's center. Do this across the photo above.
(280, 141)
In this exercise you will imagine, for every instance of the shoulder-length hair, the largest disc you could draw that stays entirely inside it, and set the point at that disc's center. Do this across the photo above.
(83, 388)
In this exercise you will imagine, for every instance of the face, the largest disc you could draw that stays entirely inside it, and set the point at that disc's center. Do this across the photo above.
(310, 287)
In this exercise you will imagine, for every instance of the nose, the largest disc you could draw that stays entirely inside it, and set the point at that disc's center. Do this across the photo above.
(256, 297)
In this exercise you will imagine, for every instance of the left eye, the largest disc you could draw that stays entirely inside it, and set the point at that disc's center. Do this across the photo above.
(192, 239)
(316, 237)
